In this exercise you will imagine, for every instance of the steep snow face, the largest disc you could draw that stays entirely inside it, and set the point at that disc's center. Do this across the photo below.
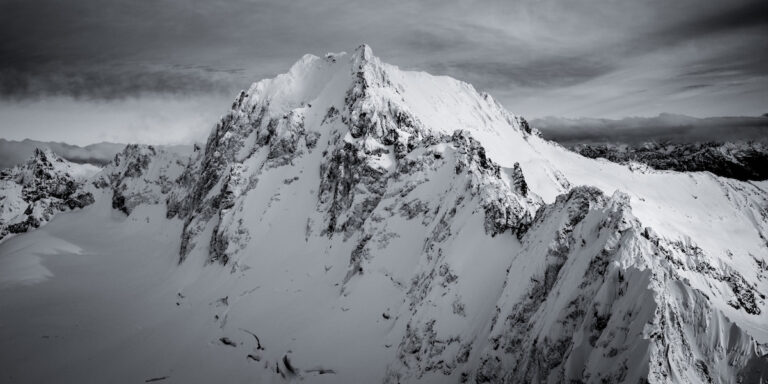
(32, 193)
(351, 222)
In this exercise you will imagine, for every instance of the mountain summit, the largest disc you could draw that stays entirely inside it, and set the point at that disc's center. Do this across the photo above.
(349, 221)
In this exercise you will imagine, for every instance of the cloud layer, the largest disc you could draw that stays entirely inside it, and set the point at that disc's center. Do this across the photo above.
(539, 57)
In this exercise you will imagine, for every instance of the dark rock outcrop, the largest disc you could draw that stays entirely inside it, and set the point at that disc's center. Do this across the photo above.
(741, 161)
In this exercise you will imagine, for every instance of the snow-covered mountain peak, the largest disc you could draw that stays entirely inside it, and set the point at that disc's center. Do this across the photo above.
(44, 155)
(367, 91)
(367, 66)
(32, 193)
(397, 171)
(44, 163)
(364, 122)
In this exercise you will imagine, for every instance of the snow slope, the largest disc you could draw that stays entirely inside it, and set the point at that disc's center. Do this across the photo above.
(351, 222)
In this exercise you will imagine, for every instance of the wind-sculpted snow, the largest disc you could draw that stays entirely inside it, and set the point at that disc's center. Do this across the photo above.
(352, 222)
(31, 194)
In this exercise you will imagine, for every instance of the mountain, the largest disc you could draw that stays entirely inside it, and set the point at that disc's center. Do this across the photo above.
(739, 160)
(31, 194)
(349, 221)
(14, 153)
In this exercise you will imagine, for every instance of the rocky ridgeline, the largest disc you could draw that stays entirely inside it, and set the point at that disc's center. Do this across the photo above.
(741, 161)
(31, 194)
(594, 333)
(375, 109)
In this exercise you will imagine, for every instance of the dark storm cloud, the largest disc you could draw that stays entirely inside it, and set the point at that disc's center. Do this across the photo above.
(117, 48)
(551, 72)
(116, 81)
(662, 128)
(731, 64)
(738, 17)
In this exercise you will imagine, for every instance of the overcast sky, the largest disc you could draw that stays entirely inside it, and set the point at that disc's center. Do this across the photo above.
(164, 70)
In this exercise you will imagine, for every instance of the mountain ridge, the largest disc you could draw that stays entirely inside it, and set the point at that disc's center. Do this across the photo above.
(742, 161)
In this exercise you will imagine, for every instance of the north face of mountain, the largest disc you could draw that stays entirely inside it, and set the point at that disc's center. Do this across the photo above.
(350, 115)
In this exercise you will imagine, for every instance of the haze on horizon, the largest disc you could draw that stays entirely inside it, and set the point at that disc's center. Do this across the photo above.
(163, 72)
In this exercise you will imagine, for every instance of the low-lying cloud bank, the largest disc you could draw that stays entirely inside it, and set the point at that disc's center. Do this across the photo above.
(663, 128)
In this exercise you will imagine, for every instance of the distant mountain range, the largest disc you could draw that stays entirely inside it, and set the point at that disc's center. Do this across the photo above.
(18, 152)
(737, 160)
(735, 147)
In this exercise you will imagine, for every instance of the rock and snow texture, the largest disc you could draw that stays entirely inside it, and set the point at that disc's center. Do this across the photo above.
(352, 222)
(31, 194)
(140, 174)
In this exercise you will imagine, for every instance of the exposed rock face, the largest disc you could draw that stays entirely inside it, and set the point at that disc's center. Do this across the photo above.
(366, 143)
(33, 193)
(140, 174)
(741, 161)
(624, 307)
